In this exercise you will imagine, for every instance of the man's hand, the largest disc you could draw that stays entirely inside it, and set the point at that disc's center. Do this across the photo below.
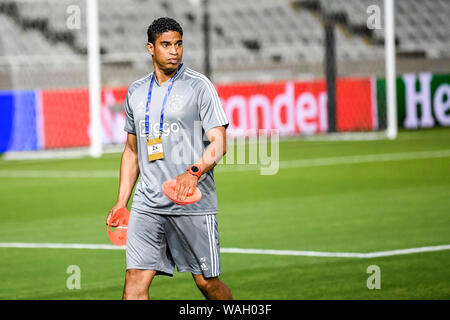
(185, 186)
(111, 212)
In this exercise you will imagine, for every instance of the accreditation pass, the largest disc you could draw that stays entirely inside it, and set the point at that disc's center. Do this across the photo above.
(155, 149)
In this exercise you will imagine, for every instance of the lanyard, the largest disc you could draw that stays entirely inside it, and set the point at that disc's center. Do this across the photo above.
(149, 99)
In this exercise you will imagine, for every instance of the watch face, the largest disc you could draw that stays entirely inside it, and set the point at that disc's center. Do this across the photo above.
(194, 169)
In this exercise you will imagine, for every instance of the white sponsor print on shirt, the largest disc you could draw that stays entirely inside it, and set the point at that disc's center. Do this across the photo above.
(154, 128)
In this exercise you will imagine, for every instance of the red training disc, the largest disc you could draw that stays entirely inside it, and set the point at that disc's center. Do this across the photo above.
(168, 188)
(119, 220)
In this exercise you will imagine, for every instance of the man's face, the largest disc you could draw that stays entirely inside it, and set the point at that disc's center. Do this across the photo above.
(167, 51)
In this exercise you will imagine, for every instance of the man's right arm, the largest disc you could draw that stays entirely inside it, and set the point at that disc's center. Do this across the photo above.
(129, 173)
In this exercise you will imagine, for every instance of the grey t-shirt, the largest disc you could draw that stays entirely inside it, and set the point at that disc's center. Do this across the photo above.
(193, 107)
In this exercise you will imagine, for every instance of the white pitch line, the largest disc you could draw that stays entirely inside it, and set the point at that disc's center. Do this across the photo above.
(59, 174)
(365, 158)
(359, 255)
(331, 161)
(375, 254)
(59, 246)
(314, 162)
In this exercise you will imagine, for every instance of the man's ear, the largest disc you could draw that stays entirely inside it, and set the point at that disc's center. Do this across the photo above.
(150, 48)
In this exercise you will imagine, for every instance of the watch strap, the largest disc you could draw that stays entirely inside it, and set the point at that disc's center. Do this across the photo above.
(197, 173)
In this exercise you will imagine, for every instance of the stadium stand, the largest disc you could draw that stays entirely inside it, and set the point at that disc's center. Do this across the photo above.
(244, 34)
(421, 26)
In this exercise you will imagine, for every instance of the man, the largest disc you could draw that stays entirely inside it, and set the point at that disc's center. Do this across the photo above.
(168, 114)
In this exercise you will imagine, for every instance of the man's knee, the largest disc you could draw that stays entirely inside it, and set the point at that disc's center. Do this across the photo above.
(137, 282)
(135, 275)
(213, 288)
(206, 284)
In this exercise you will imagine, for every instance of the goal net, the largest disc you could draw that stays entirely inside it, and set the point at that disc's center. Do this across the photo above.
(307, 68)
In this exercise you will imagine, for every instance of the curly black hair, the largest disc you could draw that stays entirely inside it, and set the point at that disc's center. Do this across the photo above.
(161, 25)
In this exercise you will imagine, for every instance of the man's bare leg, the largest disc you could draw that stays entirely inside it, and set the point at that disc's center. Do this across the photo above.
(212, 288)
(137, 283)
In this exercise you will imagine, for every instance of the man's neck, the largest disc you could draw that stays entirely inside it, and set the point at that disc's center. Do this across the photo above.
(163, 75)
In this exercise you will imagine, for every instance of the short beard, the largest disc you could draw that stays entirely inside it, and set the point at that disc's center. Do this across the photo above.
(168, 72)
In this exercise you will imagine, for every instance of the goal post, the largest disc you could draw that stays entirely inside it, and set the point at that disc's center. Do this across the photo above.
(363, 47)
(391, 93)
(68, 63)
(53, 59)
(93, 51)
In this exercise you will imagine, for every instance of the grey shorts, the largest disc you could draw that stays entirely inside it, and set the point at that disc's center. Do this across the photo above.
(161, 242)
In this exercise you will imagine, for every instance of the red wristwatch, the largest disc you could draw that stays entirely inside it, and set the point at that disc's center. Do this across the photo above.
(194, 170)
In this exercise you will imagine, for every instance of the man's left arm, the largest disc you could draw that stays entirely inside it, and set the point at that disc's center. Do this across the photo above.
(187, 182)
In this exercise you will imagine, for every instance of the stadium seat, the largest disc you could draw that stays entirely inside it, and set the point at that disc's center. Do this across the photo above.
(267, 31)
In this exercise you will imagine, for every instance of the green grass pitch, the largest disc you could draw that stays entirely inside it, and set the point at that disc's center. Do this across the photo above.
(349, 207)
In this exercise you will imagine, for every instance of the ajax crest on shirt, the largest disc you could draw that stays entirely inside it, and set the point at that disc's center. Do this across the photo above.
(175, 103)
